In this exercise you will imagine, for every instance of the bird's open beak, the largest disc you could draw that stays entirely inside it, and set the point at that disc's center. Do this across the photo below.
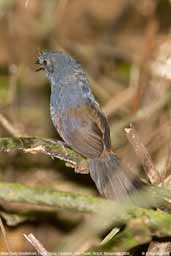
(37, 62)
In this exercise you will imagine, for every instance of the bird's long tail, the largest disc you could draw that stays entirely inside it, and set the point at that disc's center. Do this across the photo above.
(110, 178)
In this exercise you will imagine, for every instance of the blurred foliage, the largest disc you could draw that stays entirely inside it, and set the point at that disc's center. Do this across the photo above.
(118, 42)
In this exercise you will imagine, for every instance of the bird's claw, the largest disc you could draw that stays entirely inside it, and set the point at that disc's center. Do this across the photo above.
(82, 167)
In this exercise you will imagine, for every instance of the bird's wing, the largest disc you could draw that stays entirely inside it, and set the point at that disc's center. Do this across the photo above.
(86, 130)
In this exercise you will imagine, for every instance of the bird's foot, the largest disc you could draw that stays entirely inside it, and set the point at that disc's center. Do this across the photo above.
(62, 143)
(82, 167)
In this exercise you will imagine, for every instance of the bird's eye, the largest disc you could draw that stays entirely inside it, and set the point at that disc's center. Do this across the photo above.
(45, 62)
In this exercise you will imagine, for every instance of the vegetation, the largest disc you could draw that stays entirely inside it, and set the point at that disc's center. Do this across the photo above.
(45, 205)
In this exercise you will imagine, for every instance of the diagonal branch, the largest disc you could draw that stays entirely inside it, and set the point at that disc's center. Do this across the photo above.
(143, 154)
(36, 244)
(55, 149)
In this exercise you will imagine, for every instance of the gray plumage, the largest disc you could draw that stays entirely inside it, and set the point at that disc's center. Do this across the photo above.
(77, 117)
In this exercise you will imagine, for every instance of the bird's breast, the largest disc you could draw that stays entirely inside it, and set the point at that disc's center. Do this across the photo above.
(60, 103)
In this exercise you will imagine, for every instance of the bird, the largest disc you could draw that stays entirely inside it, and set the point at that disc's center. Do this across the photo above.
(79, 120)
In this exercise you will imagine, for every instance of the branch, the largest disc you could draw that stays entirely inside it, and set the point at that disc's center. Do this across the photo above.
(55, 149)
(105, 213)
(44, 197)
(143, 155)
(8, 126)
(4, 235)
(36, 244)
(140, 229)
(141, 114)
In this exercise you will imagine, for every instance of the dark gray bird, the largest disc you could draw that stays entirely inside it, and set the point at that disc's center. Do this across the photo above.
(78, 119)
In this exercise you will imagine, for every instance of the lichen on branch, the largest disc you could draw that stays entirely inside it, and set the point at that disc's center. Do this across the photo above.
(53, 148)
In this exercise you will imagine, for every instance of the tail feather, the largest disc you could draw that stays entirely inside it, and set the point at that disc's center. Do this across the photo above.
(110, 178)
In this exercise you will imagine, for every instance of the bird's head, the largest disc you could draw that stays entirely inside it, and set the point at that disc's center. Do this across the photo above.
(56, 64)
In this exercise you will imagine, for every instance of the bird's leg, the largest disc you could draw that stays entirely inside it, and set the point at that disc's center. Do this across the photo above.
(64, 144)
(55, 141)
(82, 167)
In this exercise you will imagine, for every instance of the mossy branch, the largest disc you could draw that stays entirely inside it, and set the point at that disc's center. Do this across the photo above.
(22, 194)
(53, 148)
(44, 197)
(141, 224)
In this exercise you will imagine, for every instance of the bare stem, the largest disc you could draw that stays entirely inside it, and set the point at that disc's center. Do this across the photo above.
(36, 244)
(143, 155)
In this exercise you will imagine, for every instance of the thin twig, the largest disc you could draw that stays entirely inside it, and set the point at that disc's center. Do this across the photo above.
(119, 101)
(110, 235)
(14, 71)
(26, 3)
(36, 244)
(141, 114)
(143, 78)
(8, 126)
(5, 237)
(166, 172)
(143, 155)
